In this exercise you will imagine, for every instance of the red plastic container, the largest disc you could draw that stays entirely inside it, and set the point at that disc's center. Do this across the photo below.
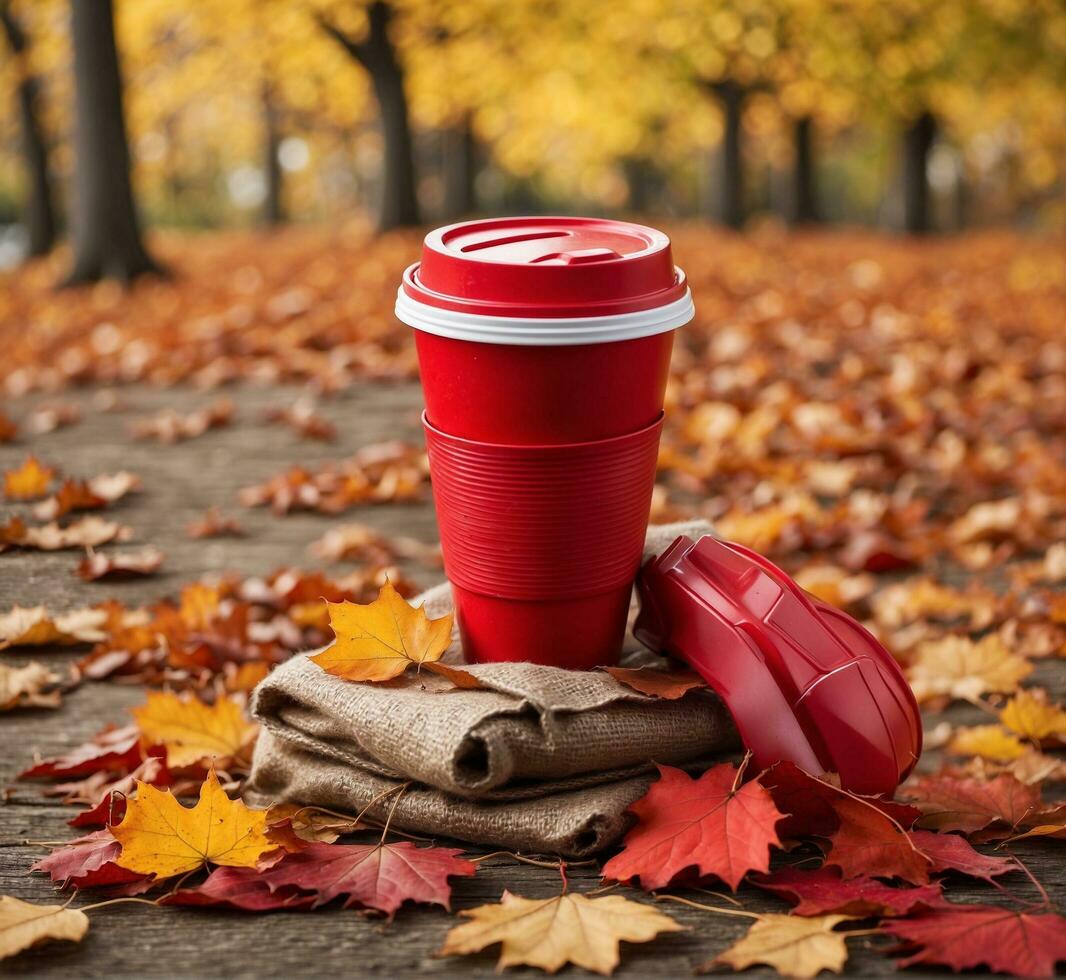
(541, 543)
(544, 346)
(804, 681)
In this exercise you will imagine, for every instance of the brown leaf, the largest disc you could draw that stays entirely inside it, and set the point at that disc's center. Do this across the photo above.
(31, 686)
(119, 564)
(666, 684)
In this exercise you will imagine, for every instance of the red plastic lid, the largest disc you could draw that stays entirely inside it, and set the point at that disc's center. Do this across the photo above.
(542, 267)
(804, 682)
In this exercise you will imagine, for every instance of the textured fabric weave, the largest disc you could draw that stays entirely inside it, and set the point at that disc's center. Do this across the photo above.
(541, 759)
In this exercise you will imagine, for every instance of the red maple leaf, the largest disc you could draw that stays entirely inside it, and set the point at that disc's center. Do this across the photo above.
(240, 888)
(1019, 943)
(824, 891)
(969, 805)
(949, 852)
(707, 823)
(376, 876)
(112, 750)
(108, 812)
(87, 861)
(870, 843)
(809, 802)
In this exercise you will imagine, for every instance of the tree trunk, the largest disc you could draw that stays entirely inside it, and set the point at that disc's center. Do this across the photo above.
(804, 203)
(460, 164)
(917, 142)
(273, 204)
(106, 232)
(38, 215)
(399, 200)
(639, 177)
(731, 209)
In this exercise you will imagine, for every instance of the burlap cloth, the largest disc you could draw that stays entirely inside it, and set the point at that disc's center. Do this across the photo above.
(543, 759)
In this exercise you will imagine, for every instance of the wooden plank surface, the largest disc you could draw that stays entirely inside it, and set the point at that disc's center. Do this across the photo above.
(180, 482)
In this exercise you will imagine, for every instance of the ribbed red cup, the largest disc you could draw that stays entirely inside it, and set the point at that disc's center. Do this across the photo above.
(537, 395)
(544, 347)
(541, 543)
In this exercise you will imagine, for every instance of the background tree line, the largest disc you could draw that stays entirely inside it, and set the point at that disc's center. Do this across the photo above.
(432, 109)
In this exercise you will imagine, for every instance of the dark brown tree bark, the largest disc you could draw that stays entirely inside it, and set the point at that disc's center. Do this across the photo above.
(731, 209)
(273, 202)
(804, 208)
(106, 232)
(640, 180)
(376, 53)
(918, 141)
(38, 214)
(459, 154)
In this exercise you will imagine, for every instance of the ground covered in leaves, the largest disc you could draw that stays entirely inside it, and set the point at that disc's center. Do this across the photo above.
(190, 468)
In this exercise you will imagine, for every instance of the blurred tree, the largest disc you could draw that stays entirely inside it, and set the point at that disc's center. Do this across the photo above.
(38, 215)
(378, 55)
(107, 235)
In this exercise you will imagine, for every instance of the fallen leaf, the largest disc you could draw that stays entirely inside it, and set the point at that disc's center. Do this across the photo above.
(709, 823)
(214, 524)
(119, 564)
(374, 876)
(970, 805)
(29, 481)
(868, 843)
(1018, 943)
(949, 852)
(48, 418)
(825, 890)
(8, 430)
(169, 426)
(988, 742)
(112, 750)
(22, 925)
(88, 532)
(160, 837)
(380, 640)
(311, 824)
(108, 812)
(91, 494)
(548, 933)
(301, 417)
(795, 946)
(34, 626)
(239, 888)
(666, 684)
(194, 732)
(31, 686)
(86, 862)
(958, 667)
(1032, 716)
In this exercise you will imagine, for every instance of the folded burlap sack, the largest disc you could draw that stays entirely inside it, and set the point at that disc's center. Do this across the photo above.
(541, 759)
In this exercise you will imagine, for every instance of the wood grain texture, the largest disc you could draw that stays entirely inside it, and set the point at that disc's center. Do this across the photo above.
(180, 482)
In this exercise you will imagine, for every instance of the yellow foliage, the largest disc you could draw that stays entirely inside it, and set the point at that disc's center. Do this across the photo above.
(161, 837)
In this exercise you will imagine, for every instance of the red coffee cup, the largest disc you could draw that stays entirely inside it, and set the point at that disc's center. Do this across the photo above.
(544, 346)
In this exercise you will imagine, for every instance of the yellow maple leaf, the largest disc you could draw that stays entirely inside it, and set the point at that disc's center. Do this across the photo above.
(29, 481)
(957, 667)
(193, 731)
(22, 925)
(550, 932)
(987, 741)
(380, 640)
(161, 837)
(1031, 715)
(795, 946)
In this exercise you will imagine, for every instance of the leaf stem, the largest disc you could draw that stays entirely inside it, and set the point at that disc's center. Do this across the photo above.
(706, 908)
